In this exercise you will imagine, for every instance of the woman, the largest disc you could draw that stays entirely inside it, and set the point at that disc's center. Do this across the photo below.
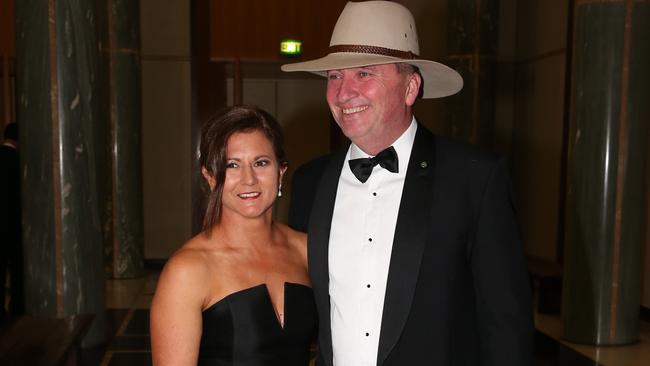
(238, 293)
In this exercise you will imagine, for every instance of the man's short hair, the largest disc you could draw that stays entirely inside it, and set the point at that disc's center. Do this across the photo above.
(404, 68)
(11, 131)
(408, 69)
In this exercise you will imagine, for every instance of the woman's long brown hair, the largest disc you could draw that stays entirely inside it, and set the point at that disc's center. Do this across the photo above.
(214, 144)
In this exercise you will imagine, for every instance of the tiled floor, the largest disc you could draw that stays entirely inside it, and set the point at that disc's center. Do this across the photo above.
(128, 300)
(128, 304)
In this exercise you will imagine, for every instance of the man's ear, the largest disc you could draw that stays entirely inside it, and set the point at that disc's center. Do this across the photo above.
(413, 88)
(210, 179)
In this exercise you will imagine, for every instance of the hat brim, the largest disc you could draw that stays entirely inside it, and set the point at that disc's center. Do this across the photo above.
(439, 80)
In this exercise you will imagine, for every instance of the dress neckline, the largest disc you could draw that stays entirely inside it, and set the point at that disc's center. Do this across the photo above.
(263, 285)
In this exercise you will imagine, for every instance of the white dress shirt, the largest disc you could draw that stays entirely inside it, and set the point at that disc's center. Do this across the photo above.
(360, 245)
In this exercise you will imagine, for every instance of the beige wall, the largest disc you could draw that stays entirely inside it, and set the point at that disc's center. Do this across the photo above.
(538, 121)
(166, 117)
(645, 296)
(505, 78)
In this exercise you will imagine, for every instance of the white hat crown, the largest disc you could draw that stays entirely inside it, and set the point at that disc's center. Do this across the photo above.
(376, 23)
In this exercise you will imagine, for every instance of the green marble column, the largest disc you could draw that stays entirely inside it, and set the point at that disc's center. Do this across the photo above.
(61, 110)
(606, 171)
(124, 226)
(472, 35)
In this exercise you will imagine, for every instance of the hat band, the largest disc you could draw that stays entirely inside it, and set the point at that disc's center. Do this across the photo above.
(375, 50)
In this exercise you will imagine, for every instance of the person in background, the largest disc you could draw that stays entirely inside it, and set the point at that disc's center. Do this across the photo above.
(11, 258)
(237, 294)
(414, 249)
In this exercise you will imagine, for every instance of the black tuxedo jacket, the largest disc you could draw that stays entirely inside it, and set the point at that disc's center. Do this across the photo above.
(458, 290)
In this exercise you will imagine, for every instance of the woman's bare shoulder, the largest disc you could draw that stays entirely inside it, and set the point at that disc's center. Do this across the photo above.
(189, 265)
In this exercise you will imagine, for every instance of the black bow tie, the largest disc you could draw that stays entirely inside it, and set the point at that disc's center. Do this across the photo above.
(362, 168)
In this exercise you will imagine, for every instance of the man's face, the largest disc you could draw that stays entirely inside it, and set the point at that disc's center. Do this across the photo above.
(371, 103)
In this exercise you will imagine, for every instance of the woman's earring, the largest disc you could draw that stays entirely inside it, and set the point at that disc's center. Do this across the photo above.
(280, 190)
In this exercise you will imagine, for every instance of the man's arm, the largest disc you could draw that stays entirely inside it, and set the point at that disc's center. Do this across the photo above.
(504, 309)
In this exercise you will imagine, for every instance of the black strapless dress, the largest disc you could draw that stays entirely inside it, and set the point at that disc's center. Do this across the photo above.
(242, 329)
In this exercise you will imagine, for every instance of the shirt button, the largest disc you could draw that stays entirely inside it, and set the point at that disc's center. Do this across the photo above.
(368, 285)
(369, 239)
(367, 334)
(374, 193)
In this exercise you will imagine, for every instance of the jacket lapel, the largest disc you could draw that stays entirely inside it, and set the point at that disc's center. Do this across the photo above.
(320, 223)
(409, 241)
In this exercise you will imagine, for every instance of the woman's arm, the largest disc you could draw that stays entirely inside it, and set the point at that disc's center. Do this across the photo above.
(176, 323)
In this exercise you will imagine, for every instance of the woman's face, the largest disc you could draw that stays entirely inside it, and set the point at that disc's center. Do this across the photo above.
(253, 174)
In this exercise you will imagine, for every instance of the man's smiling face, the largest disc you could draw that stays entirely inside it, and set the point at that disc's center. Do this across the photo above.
(371, 104)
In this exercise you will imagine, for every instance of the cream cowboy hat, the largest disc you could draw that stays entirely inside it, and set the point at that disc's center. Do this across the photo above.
(380, 32)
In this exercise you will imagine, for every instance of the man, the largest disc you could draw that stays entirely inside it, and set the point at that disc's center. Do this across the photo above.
(414, 253)
(10, 218)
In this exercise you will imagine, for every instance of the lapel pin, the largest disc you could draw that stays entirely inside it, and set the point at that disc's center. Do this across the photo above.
(423, 164)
